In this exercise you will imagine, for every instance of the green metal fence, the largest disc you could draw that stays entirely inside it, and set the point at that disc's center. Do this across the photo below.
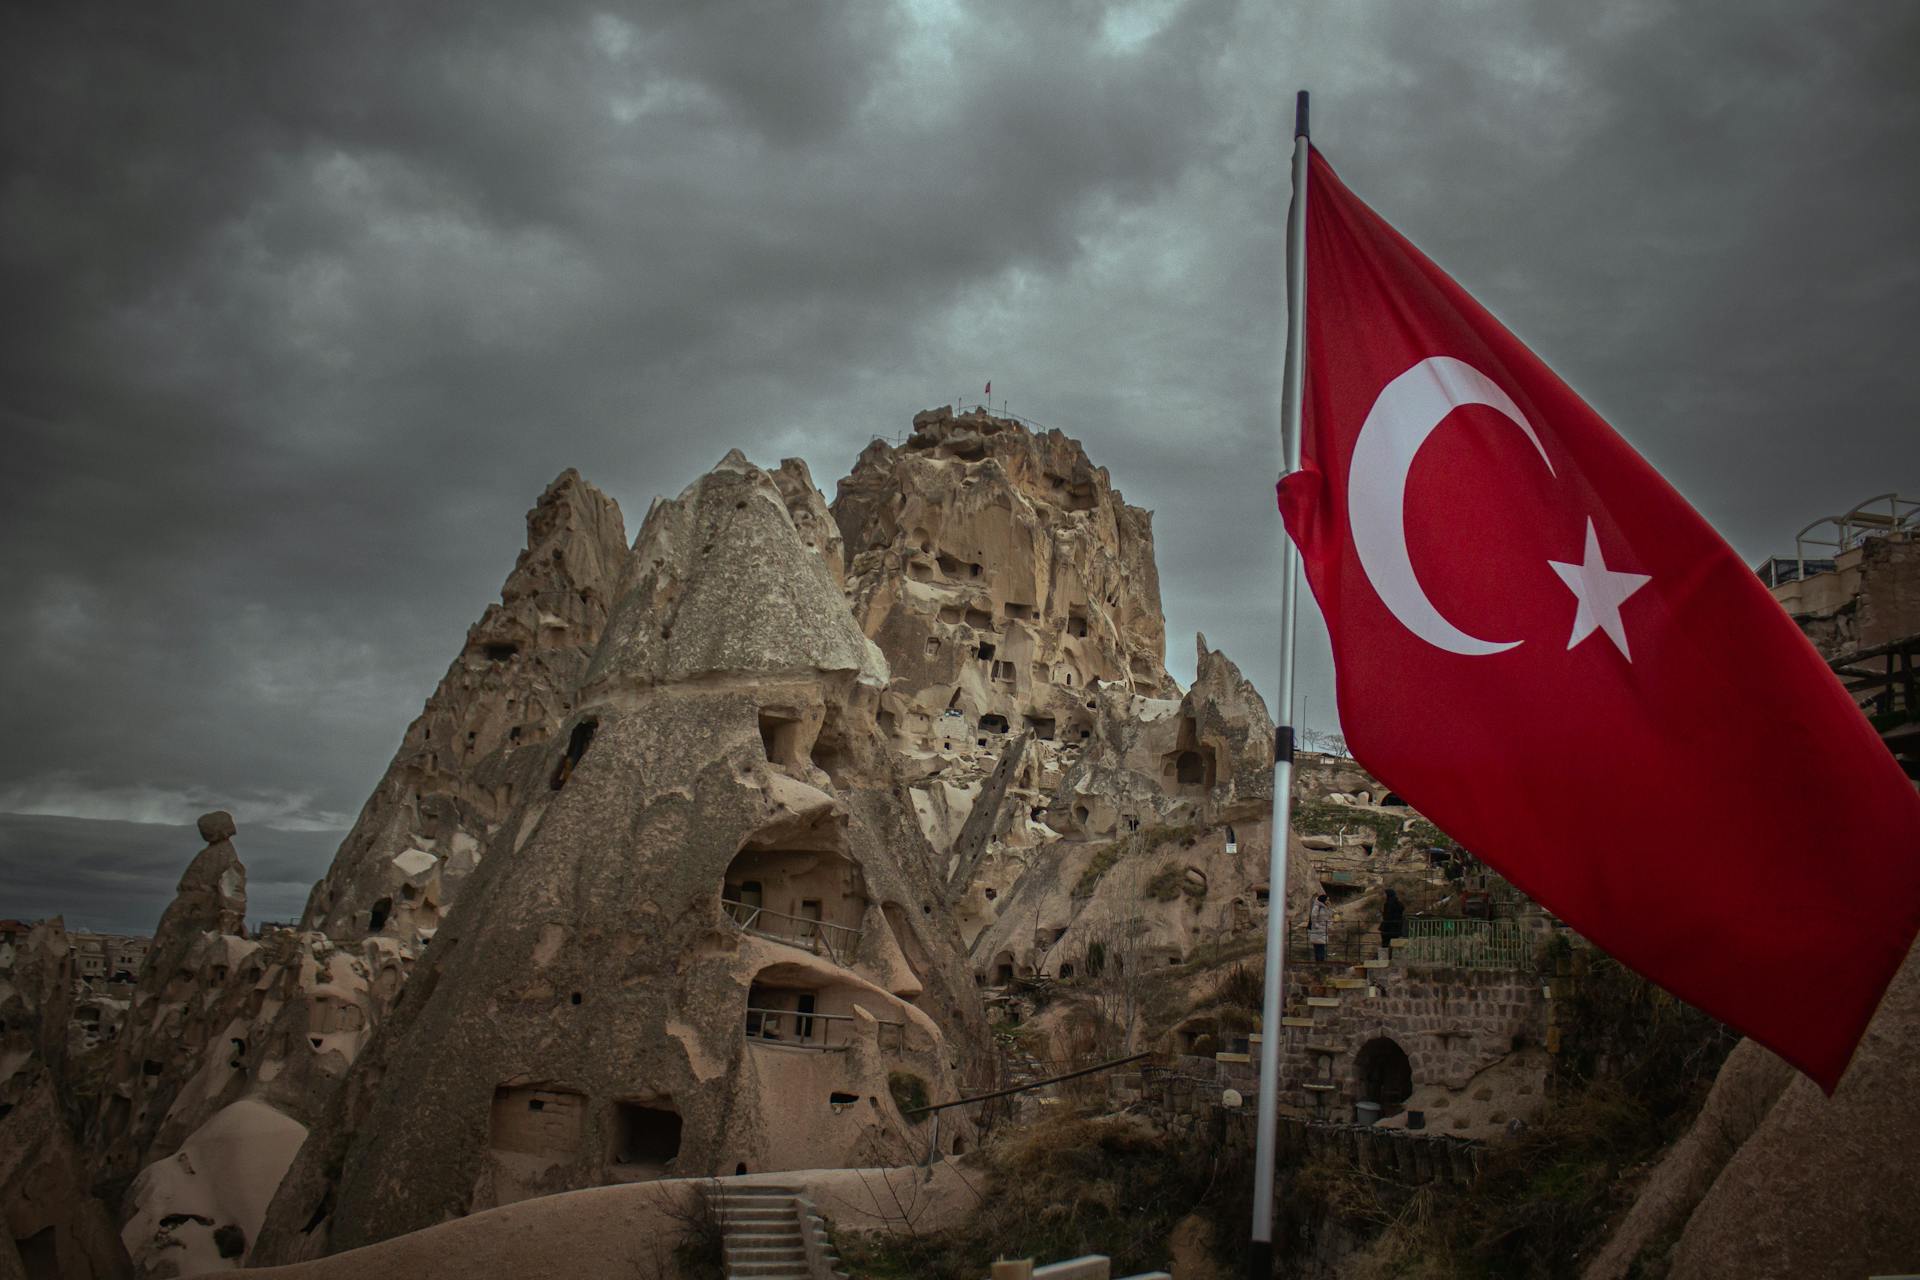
(1468, 944)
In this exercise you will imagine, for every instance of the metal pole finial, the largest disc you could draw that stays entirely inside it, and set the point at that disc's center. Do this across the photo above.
(1300, 115)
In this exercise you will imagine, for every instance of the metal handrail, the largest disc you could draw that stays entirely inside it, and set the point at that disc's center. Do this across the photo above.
(814, 934)
(1468, 944)
(768, 1025)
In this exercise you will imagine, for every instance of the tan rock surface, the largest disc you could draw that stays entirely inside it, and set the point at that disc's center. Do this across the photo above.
(54, 1224)
(632, 1230)
(465, 761)
(584, 1017)
(1750, 1082)
(1824, 1186)
(197, 1210)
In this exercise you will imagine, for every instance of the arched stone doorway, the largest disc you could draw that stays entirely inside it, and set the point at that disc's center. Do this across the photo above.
(1382, 1074)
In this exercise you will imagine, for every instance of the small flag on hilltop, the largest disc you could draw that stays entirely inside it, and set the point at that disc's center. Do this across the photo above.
(1548, 652)
(989, 390)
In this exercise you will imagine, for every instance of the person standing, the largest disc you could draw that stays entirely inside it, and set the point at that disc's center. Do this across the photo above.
(1319, 917)
(1393, 919)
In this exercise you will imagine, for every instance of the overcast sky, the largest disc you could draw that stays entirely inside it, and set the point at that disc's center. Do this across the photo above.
(305, 303)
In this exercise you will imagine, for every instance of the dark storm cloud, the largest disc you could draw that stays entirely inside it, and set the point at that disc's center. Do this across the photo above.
(305, 303)
(130, 870)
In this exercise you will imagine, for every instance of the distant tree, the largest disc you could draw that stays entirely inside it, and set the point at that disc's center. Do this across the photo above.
(1324, 740)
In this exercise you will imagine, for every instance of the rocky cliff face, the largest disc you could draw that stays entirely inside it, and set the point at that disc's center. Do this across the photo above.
(54, 1224)
(704, 943)
(1010, 586)
(1777, 1180)
(197, 946)
(722, 815)
(463, 764)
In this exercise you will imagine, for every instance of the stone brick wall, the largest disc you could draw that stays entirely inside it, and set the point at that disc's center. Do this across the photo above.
(1451, 1023)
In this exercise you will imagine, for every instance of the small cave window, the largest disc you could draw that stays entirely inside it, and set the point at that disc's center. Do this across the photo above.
(1020, 612)
(150, 1067)
(949, 565)
(979, 619)
(1066, 971)
(780, 735)
(577, 743)
(1003, 671)
(933, 645)
(973, 570)
(984, 651)
(993, 723)
(992, 894)
(838, 1099)
(1041, 727)
(378, 913)
(500, 651)
(1077, 624)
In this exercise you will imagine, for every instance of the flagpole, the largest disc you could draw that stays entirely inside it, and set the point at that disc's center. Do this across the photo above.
(1260, 1251)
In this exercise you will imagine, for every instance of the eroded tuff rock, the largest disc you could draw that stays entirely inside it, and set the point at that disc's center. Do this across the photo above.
(1817, 1187)
(218, 1018)
(465, 761)
(703, 942)
(200, 937)
(198, 1210)
(1009, 585)
(54, 1224)
(1199, 764)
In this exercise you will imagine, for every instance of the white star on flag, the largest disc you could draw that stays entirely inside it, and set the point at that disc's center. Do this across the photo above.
(1601, 591)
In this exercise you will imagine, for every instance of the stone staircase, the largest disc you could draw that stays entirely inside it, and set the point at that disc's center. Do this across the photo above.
(771, 1232)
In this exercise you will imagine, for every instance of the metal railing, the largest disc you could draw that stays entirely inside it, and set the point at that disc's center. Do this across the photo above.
(815, 935)
(1468, 944)
(815, 1030)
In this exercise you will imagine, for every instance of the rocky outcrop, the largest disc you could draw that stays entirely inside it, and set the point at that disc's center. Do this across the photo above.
(703, 944)
(218, 1018)
(199, 941)
(1750, 1082)
(198, 1210)
(1816, 1187)
(1009, 584)
(54, 1224)
(469, 756)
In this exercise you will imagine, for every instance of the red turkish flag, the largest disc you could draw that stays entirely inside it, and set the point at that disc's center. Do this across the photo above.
(1542, 647)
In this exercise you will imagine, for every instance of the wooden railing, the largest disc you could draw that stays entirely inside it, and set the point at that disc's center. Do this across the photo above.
(817, 936)
(815, 1030)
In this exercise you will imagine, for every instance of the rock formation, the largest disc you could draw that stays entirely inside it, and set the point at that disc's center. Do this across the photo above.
(1777, 1180)
(464, 762)
(706, 942)
(698, 858)
(1165, 816)
(222, 1026)
(199, 942)
(1010, 586)
(54, 1225)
